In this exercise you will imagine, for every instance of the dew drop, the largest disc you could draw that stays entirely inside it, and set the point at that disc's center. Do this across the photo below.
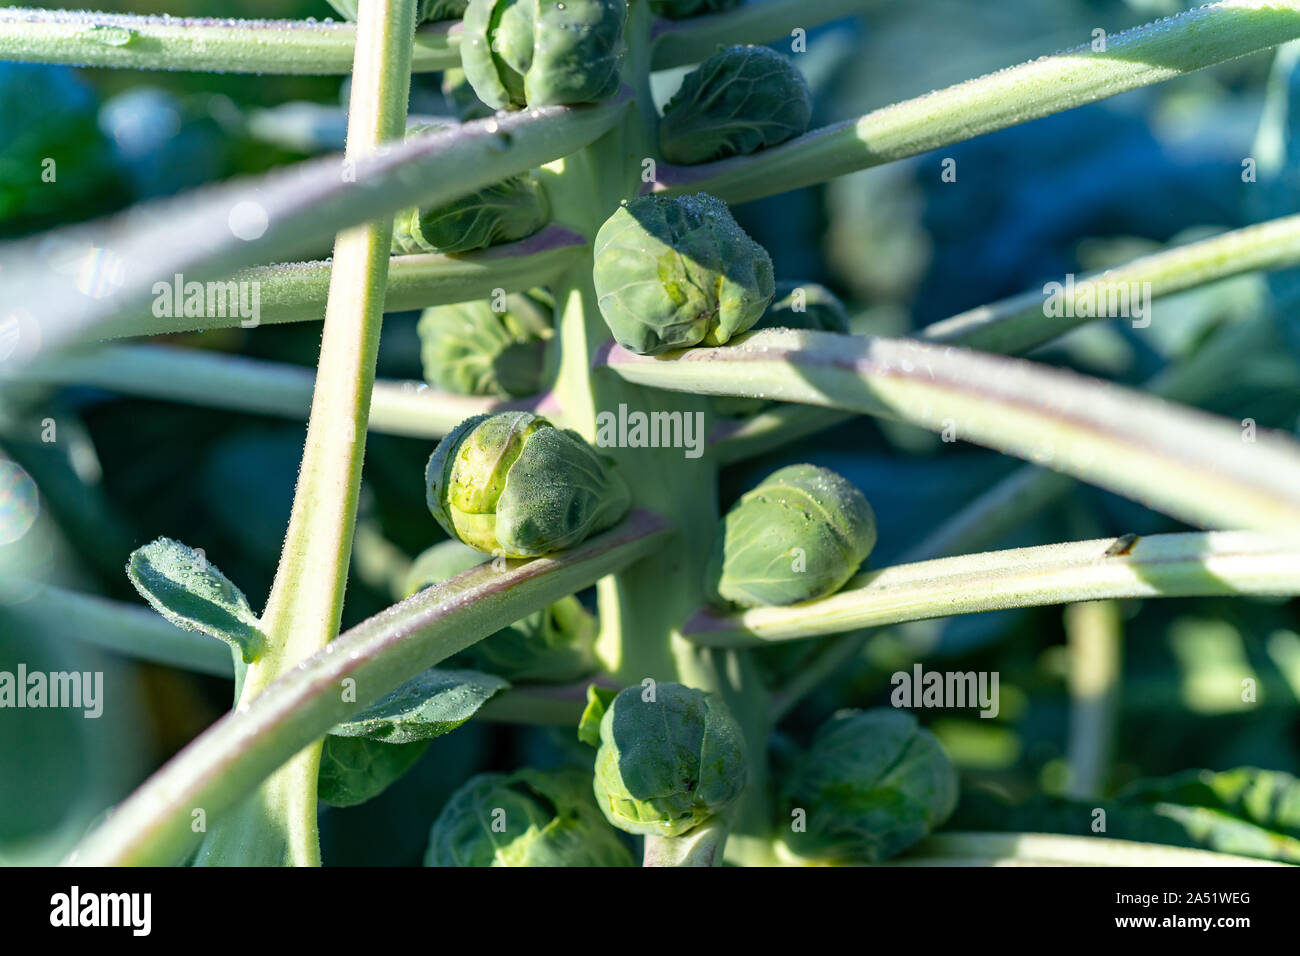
(109, 35)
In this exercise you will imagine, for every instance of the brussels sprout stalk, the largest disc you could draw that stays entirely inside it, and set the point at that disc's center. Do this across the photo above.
(277, 825)
(703, 846)
(643, 607)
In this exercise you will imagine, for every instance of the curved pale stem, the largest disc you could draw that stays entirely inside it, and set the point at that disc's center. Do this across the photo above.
(1185, 463)
(1050, 849)
(1166, 565)
(296, 291)
(207, 44)
(218, 380)
(204, 44)
(277, 824)
(703, 846)
(1051, 84)
(1020, 323)
(64, 286)
(1023, 322)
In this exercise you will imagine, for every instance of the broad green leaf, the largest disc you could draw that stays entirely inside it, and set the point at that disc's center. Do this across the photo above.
(1245, 811)
(355, 769)
(1268, 798)
(189, 591)
(598, 699)
(429, 705)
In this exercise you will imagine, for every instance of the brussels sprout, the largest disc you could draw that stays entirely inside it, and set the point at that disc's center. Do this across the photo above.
(428, 9)
(873, 783)
(799, 535)
(514, 484)
(553, 645)
(471, 349)
(676, 272)
(738, 101)
(519, 53)
(667, 764)
(503, 212)
(460, 96)
(528, 818)
(682, 9)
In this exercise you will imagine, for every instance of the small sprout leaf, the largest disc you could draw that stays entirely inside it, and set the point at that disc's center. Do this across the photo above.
(429, 705)
(598, 701)
(356, 769)
(188, 590)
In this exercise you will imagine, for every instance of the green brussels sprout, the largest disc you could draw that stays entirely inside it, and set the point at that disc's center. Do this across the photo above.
(799, 535)
(514, 484)
(666, 765)
(519, 53)
(683, 9)
(471, 349)
(872, 784)
(461, 97)
(738, 101)
(528, 818)
(675, 272)
(553, 645)
(428, 9)
(503, 212)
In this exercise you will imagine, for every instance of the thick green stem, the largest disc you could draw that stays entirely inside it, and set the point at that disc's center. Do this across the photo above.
(277, 824)
(642, 608)
(703, 846)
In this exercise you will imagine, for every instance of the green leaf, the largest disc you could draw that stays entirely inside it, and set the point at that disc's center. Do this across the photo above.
(356, 769)
(1245, 811)
(598, 699)
(188, 590)
(1267, 798)
(429, 705)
